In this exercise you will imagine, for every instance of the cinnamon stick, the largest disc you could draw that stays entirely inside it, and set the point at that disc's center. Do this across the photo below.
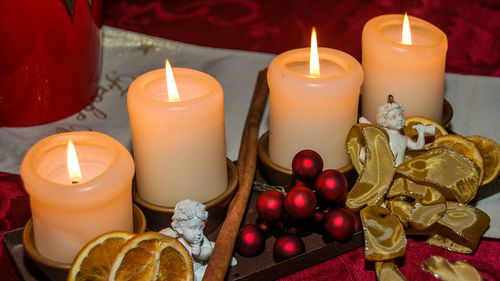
(247, 162)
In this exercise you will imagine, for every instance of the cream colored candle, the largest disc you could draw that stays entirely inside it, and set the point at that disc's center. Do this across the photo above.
(65, 215)
(309, 112)
(413, 74)
(179, 146)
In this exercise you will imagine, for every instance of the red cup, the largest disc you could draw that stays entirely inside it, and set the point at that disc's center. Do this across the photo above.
(50, 59)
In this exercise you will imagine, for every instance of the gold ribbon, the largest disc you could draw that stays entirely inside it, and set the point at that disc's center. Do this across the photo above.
(446, 271)
(425, 195)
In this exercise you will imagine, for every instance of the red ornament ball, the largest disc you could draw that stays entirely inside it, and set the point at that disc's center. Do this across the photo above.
(331, 185)
(250, 241)
(339, 224)
(264, 227)
(300, 202)
(287, 246)
(270, 205)
(307, 164)
(318, 216)
(299, 182)
(357, 221)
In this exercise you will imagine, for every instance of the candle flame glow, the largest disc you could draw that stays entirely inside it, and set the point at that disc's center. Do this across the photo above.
(72, 163)
(172, 93)
(406, 34)
(314, 56)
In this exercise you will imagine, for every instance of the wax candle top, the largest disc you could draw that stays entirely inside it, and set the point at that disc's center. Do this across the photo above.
(45, 166)
(424, 35)
(338, 70)
(192, 86)
(332, 63)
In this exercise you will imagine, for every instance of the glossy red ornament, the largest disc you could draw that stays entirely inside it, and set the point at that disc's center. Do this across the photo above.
(339, 224)
(318, 216)
(357, 221)
(264, 227)
(287, 246)
(270, 205)
(250, 241)
(307, 164)
(50, 59)
(299, 182)
(300, 202)
(331, 185)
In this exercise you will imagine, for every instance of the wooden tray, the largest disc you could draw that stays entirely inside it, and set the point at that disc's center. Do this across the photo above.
(318, 249)
(261, 268)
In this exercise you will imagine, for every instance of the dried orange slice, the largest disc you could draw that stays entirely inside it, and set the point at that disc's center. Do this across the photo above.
(463, 146)
(410, 132)
(95, 259)
(490, 150)
(152, 256)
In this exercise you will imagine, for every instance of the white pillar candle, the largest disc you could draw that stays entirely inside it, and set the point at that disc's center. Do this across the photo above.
(67, 215)
(413, 74)
(312, 112)
(179, 146)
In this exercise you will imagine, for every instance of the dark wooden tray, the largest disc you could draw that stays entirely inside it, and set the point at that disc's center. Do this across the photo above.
(261, 268)
(318, 248)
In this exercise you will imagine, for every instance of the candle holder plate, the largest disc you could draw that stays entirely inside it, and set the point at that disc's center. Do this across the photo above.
(159, 217)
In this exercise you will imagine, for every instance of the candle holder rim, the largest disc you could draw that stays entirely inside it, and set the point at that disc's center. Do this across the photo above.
(232, 183)
(30, 248)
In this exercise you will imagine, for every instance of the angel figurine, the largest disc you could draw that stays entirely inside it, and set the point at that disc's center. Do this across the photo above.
(390, 117)
(187, 227)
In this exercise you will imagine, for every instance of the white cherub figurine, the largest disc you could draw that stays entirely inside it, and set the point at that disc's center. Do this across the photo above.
(187, 227)
(390, 117)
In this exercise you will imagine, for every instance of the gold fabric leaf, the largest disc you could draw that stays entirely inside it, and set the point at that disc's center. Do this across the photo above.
(459, 271)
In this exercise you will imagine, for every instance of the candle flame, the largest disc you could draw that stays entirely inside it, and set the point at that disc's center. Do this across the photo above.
(314, 56)
(172, 93)
(72, 162)
(406, 35)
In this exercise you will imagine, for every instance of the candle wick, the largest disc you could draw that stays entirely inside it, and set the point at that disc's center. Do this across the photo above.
(75, 181)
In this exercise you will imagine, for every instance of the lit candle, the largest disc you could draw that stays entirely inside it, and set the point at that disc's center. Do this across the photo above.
(71, 207)
(313, 103)
(178, 136)
(406, 62)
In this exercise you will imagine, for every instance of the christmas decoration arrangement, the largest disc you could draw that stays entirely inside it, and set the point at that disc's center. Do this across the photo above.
(316, 201)
(426, 194)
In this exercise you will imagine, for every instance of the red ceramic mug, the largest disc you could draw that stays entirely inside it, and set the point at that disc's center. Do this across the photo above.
(50, 59)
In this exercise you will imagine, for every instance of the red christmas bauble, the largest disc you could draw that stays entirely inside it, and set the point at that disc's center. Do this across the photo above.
(318, 216)
(331, 185)
(270, 205)
(339, 224)
(300, 202)
(250, 241)
(299, 182)
(287, 246)
(307, 164)
(264, 227)
(357, 221)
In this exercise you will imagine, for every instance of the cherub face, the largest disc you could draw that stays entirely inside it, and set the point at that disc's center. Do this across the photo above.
(394, 119)
(192, 230)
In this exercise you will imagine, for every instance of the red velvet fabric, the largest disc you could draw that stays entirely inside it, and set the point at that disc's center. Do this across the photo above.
(472, 27)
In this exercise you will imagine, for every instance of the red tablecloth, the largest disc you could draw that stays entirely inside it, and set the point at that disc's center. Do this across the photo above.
(472, 27)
